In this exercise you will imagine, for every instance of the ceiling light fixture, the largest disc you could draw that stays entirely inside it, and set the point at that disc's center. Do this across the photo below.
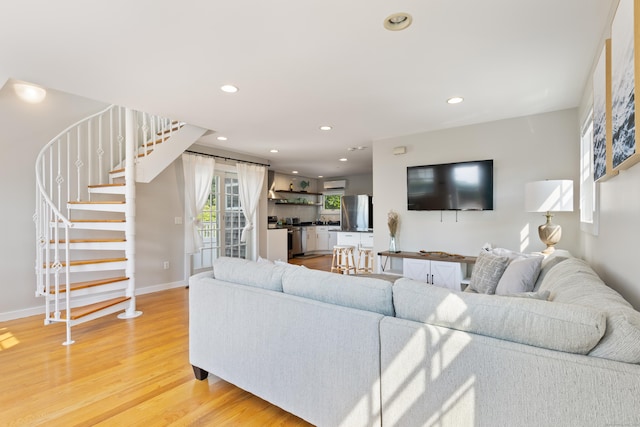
(325, 127)
(320, 176)
(397, 21)
(344, 159)
(455, 100)
(273, 150)
(222, 138)
(295, 172)
(29, 93)
(229, 88)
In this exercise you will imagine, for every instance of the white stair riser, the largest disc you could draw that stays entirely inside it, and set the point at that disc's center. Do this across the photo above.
(107, 190)
(97, 246)
(99, 266)
(102, 207)
(107, 226)
(93, 290)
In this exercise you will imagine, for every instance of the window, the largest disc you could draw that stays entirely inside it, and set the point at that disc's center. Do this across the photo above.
(588, 188)
(331, 202)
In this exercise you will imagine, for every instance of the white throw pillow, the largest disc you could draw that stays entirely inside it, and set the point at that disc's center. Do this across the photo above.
(520, 275)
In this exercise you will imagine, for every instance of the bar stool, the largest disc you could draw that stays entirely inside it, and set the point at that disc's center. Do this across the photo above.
(342, 261)
(365, 260)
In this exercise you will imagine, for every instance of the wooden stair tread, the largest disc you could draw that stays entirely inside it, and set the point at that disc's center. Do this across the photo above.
(62, 242)
(98, 202)
(79, 312)
(172, 129)
(117, 171)
(156, 142)
(89, 284)
(90, 261)
(97, 220)
(106, 185)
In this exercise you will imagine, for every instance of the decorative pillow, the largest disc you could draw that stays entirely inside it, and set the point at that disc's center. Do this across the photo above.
(556, 326)
(520, 275)
(487, 272)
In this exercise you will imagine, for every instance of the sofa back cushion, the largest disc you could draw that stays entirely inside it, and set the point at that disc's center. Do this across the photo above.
(250, 273)
(573, 281)
(555, 326)
(358, 292)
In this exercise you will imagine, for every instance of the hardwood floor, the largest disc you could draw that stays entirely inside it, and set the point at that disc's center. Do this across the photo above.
(131, 372)
(322, 262)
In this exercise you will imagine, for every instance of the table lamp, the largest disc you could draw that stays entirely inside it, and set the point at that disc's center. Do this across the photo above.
(549, 196)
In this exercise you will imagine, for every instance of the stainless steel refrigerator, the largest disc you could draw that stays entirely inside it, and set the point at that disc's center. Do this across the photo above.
(356, 213)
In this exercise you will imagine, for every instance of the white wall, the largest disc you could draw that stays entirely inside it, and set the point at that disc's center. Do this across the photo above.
(539, 147)
(614, 252)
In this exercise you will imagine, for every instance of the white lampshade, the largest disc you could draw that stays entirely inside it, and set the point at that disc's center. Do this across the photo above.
(549, 196)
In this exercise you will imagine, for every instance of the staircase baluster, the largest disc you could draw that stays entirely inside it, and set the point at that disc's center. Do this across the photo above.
(78, 165)
(100, 153)
(89, 156)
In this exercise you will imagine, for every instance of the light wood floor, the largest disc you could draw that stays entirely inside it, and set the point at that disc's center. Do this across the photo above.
(132, 372)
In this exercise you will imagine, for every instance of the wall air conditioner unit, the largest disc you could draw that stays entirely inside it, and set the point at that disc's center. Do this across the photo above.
(335, 185)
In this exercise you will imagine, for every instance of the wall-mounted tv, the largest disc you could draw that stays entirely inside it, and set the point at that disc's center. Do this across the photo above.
(450, 186)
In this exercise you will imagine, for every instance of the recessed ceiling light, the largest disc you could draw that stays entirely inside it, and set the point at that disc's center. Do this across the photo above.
(325, 127)
(29, 93)
(455, 100)
(294, 172)
(344, 159)
(221, 138)
(320, 176)
(397, 21)
(273, 150)
(229, 88)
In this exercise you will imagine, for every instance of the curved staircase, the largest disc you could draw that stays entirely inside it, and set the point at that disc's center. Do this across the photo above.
(85, 210)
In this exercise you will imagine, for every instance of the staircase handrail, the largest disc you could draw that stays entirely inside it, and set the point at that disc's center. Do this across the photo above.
(39, 180)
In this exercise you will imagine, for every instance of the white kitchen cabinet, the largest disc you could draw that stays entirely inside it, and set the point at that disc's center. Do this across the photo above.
(310, 239)
(322, 239)
(356, 240)
(439, 273)
(277, 244)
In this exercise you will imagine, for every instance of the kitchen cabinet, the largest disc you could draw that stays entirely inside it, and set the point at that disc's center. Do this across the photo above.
(277, 244)
(439, 273)
(309, 239)
(355, 239)
(322, 239)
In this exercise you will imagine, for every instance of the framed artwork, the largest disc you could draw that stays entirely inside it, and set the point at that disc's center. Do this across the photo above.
(623, 87)
(602, 141)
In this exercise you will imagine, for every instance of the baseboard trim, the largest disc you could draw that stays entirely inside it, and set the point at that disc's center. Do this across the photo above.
(36, 311)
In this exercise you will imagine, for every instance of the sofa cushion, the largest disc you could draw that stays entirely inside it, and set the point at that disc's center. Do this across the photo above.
(555, 326)
(487, 272)
(349, 291)
(547, 264)
(520, 275)
(257, 274)
(573, 281)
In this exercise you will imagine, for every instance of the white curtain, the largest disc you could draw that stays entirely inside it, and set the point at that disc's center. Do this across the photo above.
(198, 176)
(250, 180)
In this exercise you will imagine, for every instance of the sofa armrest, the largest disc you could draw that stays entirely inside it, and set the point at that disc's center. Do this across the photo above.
(438, 376)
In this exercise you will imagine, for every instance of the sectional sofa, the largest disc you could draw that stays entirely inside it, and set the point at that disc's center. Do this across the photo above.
(341, 350)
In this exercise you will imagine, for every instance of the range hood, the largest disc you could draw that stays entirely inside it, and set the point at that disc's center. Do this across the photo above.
(335, 185)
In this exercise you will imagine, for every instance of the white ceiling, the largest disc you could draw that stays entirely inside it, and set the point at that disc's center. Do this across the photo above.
(302, 64)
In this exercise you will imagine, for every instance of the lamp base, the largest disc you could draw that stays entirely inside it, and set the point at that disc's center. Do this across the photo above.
(550, 234)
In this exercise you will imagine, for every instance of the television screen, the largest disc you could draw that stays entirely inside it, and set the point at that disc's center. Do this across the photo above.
(450, 186)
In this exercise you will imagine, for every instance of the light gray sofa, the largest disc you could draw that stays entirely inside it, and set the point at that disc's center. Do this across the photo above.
(354, 351)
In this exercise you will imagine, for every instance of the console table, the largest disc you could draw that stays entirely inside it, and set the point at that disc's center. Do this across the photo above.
(436, 268)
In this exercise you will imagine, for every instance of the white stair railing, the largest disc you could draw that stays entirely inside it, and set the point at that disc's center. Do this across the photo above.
(83, 154)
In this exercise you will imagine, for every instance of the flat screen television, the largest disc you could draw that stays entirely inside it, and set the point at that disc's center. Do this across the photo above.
(450, 186)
